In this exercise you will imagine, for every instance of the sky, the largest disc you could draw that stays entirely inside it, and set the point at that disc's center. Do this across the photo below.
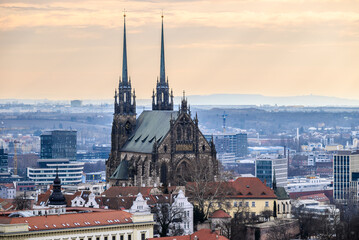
(72, 49)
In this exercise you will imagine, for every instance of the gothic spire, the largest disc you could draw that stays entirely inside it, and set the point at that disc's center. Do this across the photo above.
(162, 71)
(124, 58)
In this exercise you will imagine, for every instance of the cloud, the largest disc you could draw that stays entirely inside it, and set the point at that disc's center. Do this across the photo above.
(182, 13)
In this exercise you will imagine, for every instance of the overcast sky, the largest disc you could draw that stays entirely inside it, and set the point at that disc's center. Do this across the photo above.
(73, 48)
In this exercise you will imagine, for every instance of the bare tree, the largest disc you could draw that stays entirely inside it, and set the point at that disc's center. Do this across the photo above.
(166, 216)
(203, 191)
(280, 230)
(22, 202)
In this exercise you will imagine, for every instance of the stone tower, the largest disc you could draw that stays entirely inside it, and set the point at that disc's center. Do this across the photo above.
(124, 119)
(161, 99)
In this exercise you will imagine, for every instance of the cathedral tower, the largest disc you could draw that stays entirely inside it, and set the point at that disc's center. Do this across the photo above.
(124, 119)
(161, 99)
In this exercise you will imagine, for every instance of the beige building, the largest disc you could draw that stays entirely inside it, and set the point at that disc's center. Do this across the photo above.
(248, 196)
(101, 225)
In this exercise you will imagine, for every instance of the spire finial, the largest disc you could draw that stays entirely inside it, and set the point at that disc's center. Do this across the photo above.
(184, 94)
(162, 72)
(124, 58)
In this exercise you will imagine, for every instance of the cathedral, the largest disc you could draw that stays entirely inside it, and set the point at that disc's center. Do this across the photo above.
(161, 146)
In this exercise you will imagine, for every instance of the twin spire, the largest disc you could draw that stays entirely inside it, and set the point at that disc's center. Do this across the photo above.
(160, 99)
(125, 100)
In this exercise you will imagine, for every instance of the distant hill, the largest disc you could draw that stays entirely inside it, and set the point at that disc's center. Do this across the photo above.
(255, 99)
(223, 99)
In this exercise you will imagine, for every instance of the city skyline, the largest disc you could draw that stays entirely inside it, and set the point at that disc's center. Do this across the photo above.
(68, 49)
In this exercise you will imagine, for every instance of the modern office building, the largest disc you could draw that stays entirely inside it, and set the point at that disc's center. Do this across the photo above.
(3, 161)
(230, 143)
(268, 165)
(45, 173)
(346, 176)
(58, 144)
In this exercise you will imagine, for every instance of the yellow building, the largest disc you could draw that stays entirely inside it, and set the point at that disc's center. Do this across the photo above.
(248, 196)
(100, 225)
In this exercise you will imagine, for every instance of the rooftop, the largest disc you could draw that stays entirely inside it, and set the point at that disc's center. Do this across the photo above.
(71, 220)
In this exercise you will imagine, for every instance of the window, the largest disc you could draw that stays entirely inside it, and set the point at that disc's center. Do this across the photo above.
(235, 204)
(143, 236)
(113, 237)
(253, 204)
(129, 237)
(121, 237)
(267, 204)
(247, 204)
(97, 238)
(105, 238)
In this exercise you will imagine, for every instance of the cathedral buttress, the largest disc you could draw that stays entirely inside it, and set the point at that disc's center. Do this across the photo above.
(124, 119)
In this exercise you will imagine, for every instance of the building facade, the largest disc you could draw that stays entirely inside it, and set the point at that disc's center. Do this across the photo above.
(346, 176)
(3, 161)
(231, 143)
(58, 144)
(160, 146)
(267, 166)
(45, 173)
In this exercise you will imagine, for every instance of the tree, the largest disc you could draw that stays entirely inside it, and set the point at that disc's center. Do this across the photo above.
(22, 202)
(166, 216)
(280, 230)
(203, 191)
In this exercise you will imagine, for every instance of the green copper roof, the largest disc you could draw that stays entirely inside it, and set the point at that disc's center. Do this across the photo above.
(151, 125)
(121, 172)
(281, 193)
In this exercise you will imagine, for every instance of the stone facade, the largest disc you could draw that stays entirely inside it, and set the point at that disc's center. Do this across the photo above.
(161, 146)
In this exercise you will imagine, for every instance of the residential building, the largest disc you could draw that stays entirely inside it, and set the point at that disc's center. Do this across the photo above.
(268, 165)
(69, 172)
(308, 184)
(346, 176)
(101, 225)
(58, 144)
(7, 191)
(205, 234)
(236, 143)
(3, 161)
(134, 199)
(248, 195)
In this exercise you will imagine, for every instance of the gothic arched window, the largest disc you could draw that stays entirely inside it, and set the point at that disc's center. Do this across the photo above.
(164, 173)
(189, 133)
(143, 168)
(179, 133)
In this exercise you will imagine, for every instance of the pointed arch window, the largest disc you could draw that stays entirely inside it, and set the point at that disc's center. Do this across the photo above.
(189, 133)
(179, 133)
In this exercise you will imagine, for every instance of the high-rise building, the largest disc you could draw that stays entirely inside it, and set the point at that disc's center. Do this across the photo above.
(346, 176)
(3, 161)
(268, 166)
(230, 143)
(58, 144)
(47, 170)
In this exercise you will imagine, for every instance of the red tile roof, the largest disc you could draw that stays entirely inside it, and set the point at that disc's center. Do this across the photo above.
(116, 191)
(220, 214)
(327, 193)
(203, 234)
(242, 187)
(318, 197)
(72, 220)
